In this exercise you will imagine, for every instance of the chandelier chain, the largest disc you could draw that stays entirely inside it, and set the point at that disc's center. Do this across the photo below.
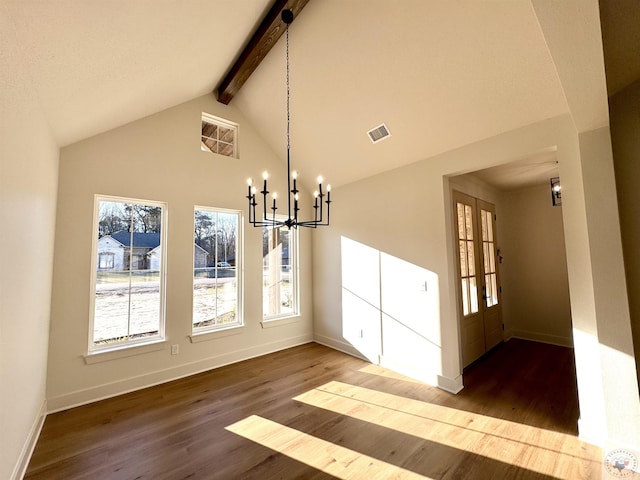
(288, 106)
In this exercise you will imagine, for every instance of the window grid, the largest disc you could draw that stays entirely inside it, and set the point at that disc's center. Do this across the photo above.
(218, 136)
(489, 259)
(216, 269)
(467, 259)
(280, 275)
(127, 306)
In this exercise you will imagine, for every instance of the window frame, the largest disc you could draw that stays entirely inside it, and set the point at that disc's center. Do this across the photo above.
(220, 122)
(93, 349)
(202, 332)
(294, 247)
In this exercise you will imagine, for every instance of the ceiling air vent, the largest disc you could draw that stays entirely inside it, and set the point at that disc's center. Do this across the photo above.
(379, 133)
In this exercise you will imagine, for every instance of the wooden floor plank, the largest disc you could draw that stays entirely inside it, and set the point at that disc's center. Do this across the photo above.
(314, 413)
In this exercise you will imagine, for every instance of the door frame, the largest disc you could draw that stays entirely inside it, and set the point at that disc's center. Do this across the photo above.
(477, 319)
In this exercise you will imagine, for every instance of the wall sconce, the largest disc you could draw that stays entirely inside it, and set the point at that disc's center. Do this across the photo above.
(556, 192)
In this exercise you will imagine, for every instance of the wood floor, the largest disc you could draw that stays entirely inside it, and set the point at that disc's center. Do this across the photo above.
(313, 413)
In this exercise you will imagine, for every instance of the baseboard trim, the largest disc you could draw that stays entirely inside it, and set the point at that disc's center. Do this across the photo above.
(30, 444)
(451, 385)
(339, 345)
(131, 384)
(539, 337)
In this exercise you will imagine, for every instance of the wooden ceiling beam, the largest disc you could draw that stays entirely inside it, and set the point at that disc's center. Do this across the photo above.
(264, 38)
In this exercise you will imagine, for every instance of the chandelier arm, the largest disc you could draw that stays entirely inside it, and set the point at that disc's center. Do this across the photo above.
(321, 196)
(328, 202)
(264, 200)
(315, 209)
(328, 205)
(268, 222)
(274, 208)
(255, 204)
(318, 222)
(308, 223)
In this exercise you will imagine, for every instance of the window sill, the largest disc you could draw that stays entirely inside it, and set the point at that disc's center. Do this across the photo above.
(123, 351)
(277, 322)
(224, 332)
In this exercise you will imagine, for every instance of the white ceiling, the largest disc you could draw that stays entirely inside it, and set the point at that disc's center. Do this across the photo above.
(521, 173)
(440, 74)
(99, 64)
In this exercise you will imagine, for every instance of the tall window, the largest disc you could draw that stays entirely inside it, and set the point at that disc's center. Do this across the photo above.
(280, 276)
(128, 298)
(216, 269)
(219, 136)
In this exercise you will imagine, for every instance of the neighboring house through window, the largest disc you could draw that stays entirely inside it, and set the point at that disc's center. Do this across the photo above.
(280, 273)
(128, 299)
(217, 270)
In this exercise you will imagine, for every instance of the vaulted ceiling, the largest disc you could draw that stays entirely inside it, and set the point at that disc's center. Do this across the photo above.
(99, 64)
(440, 74)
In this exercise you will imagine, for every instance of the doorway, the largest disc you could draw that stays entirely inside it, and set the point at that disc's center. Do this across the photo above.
(478, 278)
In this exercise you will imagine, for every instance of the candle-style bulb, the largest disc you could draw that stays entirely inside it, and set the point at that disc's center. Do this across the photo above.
(253, 190)
(249, 181)
(320, 179)
(315, 193)
(274, 195)
(294, 175)
(265, 174)
(296, 196)
(329, 188)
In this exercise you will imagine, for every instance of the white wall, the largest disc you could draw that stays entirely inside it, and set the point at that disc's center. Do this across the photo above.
(159, 158)
(625, 137)
(28, 183)
(406, 213)
(534, 270)
(600, 310)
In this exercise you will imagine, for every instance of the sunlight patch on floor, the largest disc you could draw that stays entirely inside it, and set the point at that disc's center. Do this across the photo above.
(335, 460)
(373, 369)
(501, 440)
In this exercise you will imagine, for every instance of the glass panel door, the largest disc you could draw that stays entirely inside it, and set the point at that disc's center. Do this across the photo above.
(467, 251)
(478, 279)
(489, 259)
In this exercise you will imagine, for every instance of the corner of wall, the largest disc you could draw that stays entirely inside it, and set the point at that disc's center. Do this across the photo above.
(339, 345)
(30, 444)
(451, 385)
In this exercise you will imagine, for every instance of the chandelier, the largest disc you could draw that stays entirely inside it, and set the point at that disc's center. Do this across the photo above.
(292, 221)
